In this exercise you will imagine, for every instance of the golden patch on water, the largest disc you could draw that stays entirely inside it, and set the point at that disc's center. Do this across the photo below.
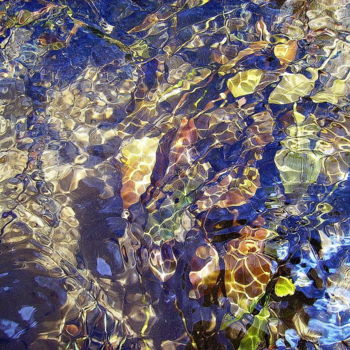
(233, 190)
(138, 158)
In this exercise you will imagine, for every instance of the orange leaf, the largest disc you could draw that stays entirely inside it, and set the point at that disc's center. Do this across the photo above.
(286, 52)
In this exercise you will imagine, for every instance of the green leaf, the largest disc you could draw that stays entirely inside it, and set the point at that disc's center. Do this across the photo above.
(140, 49)
(284, 286)
(292, 87)
(255, 334)
(244, 83)
(227, 320)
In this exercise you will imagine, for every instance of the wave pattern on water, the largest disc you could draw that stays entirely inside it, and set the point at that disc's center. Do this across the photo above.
(174, 174)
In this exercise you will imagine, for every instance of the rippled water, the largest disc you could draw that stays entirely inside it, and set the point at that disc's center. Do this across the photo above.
(174, 174)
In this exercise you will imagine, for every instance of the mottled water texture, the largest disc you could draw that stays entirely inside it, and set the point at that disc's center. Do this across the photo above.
(174, 174)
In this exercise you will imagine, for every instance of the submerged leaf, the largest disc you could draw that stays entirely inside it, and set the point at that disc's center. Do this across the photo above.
(194, 3)
(147, 23)
(286, 52)
(244, 83)
(140, 49)
(255, 333)
(24, 17)
(284, 287)
(299, 167)
(299, 118)
(332, 94)
(247, 272)
(293, 86)
(227, 320)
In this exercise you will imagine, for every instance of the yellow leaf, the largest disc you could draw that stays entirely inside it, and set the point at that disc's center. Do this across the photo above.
(284, 286)
(244, 83)
(286, 52)
(194, 3)
(298, 166)
(299, 118)
(332, 94)
(293, 86)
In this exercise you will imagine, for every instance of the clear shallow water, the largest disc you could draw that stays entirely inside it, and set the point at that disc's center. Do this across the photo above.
(174, 175)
